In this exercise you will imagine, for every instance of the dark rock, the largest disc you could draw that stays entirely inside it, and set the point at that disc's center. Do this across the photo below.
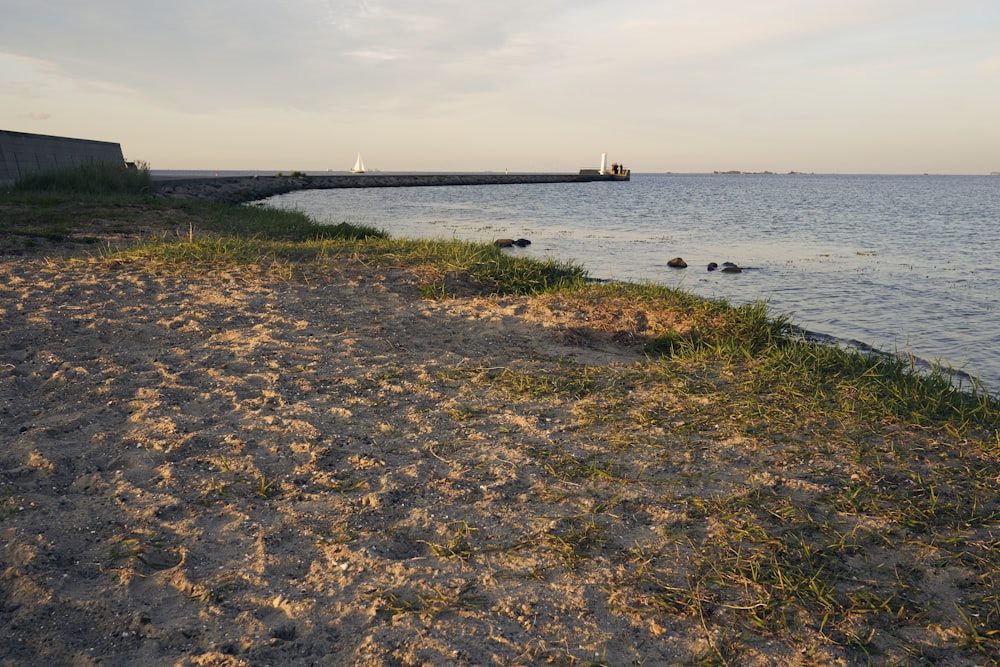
(712, 266)
(504, 243)
(677, 263)
(731, 268)
(522, 243)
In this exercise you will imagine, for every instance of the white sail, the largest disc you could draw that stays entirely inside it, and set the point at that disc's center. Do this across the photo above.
(359, 166)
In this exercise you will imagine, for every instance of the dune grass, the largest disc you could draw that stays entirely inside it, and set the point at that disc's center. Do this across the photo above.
(92, 179)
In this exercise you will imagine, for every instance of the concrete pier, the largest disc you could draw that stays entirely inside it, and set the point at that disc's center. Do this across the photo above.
(22, 153)
(238, 189)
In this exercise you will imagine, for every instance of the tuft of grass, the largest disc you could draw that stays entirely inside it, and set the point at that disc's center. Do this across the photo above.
(456, 542)
(426, 603)
(89, 179)
(519, 383)
(724, 330)
(771, 353)
(487, 267)
(573, 539)
(269, 224)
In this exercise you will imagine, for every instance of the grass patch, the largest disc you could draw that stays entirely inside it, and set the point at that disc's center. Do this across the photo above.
(67, 206)
(90, 179)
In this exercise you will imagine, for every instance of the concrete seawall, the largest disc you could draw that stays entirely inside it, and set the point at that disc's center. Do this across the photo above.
(239, 189)
(22, 153)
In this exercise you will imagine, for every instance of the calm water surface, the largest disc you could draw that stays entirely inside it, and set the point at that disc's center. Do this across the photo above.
(902, 263)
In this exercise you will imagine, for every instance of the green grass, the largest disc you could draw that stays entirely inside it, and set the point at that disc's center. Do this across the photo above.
(261, 224)
(91, 179)
(91, 201)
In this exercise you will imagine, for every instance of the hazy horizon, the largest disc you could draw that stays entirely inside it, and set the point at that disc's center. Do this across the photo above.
(674, 86)
(714, 172)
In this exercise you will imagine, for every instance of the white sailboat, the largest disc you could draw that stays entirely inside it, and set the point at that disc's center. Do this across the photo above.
(359, 166)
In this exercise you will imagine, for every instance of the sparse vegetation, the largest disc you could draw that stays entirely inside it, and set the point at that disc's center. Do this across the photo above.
(741, 484)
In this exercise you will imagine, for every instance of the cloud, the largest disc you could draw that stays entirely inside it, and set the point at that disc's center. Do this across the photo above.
(373, 55)
(549, 73)
(199, 56)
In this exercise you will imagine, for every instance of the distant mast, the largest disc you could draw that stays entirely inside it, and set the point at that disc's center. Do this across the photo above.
(604, 163)
(359, 166)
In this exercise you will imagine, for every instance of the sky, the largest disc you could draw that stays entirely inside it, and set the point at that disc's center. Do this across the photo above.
(825, 86)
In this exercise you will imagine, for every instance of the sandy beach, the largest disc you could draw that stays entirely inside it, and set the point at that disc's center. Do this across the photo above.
(231, 466)
(225, 469)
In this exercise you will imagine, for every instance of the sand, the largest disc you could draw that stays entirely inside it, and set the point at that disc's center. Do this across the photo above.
(236, 467)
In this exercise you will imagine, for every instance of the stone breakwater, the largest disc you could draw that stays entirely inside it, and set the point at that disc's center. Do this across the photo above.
(239, 189)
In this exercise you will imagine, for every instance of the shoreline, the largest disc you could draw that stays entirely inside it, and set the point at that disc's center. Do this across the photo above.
(236, 464)
(629, 233)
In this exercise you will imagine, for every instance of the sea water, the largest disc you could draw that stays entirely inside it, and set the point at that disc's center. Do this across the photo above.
(904, 264)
